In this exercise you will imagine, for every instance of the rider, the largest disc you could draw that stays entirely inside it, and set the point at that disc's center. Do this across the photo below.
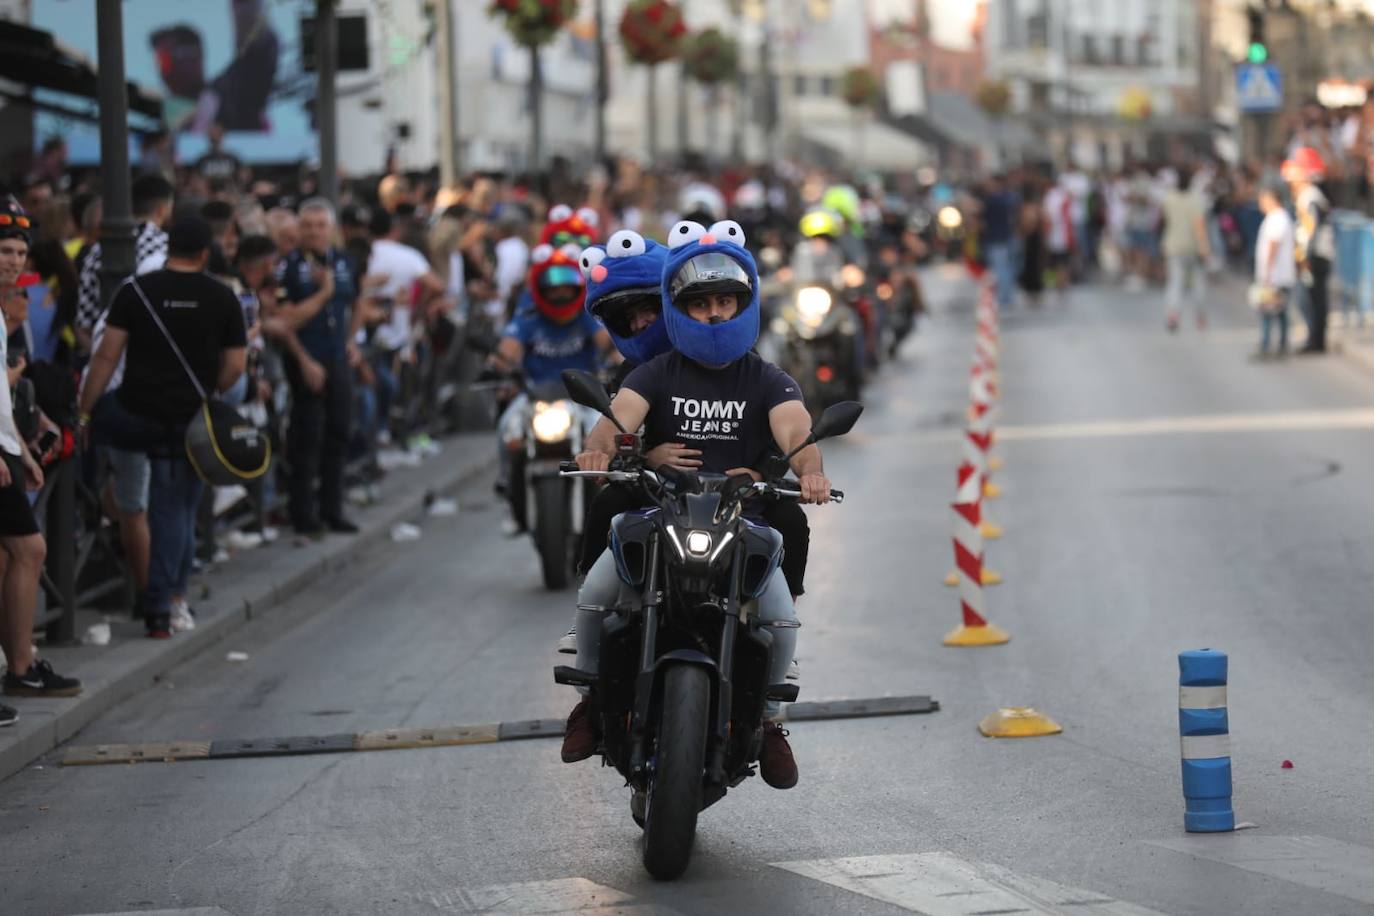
(711, 298)
(555, 335)
(624, 292)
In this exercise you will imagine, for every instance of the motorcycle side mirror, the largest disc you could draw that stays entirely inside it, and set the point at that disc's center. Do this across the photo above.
(837, 420)
(585, 389)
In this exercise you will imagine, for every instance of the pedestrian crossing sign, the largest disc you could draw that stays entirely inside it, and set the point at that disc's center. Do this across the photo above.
(1259, 88)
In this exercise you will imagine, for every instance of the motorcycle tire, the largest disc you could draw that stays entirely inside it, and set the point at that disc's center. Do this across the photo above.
(553, 532)
(670, 822)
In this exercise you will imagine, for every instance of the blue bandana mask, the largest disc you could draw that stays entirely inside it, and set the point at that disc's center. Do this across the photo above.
(710, 344)
(627, 262)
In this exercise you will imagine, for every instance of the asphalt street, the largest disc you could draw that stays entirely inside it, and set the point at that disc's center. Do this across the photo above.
(1161, 494)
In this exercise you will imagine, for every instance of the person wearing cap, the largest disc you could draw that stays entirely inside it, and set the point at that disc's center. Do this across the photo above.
(157, 399)
(22, 549)
(1315, 241)
(714, 391)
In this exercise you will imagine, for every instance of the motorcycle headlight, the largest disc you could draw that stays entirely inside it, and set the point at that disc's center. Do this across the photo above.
(950, 218)
(551, 421)
(813, 304)
(698, 543)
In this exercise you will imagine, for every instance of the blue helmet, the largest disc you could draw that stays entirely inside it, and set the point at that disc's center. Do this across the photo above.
(702, 260)
(626, 271)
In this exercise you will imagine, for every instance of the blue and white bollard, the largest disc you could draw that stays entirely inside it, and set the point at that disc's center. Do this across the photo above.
(1206, 739)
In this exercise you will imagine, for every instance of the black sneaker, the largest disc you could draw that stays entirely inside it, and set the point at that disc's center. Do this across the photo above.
(8, 716)
(340, 525)
(41, 681)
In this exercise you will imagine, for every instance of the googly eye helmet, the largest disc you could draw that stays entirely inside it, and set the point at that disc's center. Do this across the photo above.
(705, 261)
(624, 279)
(556, 282)
(566, 227)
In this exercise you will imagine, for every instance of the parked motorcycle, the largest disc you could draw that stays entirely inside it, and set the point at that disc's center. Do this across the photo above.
(682, 678)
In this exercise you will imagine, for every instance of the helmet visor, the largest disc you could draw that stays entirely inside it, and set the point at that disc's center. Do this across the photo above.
(624, 311)
(710, 272)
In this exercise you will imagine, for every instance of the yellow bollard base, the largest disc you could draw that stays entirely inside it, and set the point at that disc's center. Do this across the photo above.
(1018, 722)
(995, 463)
(991, 491)
(990, 531)
(989, 635)
(989, 578)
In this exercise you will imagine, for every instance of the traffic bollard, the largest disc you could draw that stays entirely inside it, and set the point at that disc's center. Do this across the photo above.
(968, 562)
(1206, 741)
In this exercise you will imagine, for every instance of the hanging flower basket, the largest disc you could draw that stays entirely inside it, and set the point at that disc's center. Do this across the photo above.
(652, 31)
(533, 23)
(860, 87)
(711, 57)
(994, 97)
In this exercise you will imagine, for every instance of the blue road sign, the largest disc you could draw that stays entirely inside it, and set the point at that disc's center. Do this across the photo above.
(1259, 88)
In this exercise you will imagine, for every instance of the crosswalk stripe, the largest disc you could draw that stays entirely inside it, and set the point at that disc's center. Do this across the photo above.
(1343, 869)
(942, 884)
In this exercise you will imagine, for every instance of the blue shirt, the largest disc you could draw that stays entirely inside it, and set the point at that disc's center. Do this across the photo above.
(550, 348)
(324, 337)
(999, 217)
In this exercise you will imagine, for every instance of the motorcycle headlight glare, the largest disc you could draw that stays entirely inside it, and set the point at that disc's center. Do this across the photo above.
(551, 421)
(853, 276)
(950, 218)
(698, 543)
(813, 304)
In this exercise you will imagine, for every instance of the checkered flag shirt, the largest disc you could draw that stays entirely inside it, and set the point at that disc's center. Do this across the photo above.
(150, 247)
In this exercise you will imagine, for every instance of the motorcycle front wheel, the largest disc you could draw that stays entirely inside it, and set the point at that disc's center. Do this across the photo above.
(553, 531)
(674, 800)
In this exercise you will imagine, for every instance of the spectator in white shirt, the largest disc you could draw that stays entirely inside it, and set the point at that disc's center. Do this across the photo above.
(1276, 272)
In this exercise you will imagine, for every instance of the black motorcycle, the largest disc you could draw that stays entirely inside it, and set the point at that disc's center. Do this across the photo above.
(682, 683)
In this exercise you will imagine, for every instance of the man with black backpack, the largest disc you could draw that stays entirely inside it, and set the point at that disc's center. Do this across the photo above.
(184, 334)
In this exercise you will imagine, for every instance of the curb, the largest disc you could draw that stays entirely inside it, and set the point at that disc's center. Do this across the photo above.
(151, 658)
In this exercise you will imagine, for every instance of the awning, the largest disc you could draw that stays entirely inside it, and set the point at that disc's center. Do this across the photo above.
(32, 57)
(869, 144)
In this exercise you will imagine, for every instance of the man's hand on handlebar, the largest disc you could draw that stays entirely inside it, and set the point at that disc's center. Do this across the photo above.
(815, 488)
(593, 461)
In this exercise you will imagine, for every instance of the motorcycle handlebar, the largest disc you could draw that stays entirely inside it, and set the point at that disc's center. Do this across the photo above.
(836, 496)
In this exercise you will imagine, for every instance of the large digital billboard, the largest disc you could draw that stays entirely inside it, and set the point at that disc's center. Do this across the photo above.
(235, 63)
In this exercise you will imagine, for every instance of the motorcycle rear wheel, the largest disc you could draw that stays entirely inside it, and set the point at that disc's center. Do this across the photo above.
(674, 800)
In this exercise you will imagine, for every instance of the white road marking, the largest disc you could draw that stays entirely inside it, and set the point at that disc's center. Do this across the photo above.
(1343, 869)
(559, 897)
(942, 884)
(1277, 421)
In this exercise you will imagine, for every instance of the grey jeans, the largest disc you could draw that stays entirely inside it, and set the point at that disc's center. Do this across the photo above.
(602, 591)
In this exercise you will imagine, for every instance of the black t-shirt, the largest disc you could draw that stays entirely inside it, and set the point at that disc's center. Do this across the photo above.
(723, 412)
(221, 165)
(202, 315)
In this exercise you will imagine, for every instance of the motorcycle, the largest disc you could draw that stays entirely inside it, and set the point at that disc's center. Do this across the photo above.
(682, 678)
(821, 342)
(552, 508)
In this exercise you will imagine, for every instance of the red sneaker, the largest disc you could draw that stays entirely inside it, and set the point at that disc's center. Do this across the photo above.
(776, 764)
(579, 737)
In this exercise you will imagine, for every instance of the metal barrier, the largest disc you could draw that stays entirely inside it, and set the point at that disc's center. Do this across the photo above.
(1353, 271)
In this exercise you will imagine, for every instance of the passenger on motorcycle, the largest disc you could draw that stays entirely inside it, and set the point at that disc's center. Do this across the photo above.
(555, 335)
(624, 292)
(713, 391)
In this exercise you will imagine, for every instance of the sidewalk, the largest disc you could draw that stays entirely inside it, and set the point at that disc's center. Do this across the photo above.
(250, 585)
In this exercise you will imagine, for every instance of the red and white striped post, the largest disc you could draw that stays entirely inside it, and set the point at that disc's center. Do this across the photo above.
(970, 476)
(968, 562)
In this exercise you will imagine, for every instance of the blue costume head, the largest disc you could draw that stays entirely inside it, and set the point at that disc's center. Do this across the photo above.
(703, 261)
(623, 279)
